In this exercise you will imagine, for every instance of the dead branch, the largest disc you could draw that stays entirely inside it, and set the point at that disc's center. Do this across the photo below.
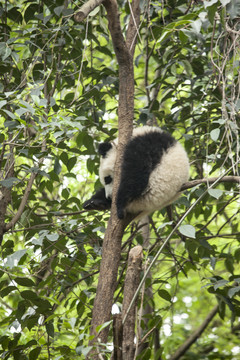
(191, 340)
(190, 184)
(146, 306)
(131, 284)
(117, 337)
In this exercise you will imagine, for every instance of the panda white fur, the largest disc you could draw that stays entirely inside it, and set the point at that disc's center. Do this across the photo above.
(154, 168)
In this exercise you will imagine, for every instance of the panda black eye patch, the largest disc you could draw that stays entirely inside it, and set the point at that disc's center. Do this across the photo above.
(107, 180)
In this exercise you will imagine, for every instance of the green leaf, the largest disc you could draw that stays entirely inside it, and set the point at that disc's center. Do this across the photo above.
(212, 11)
(34, 353)
(52, 237)
(2, 103)
(65, 193)
(71, 163)
(29, 13)
(233, 8)
(188, 231)
(13, 259)
(164, 294)
(29, 295)
(233, 291)
(187, 66)
(220, 283)
(229, 264)
(6, 54)
(183, 37)
(99, 328)
(24, 281)
(9, 182)
(208, 3)
(58, 10)
(215, 134)
(216, 193)
(83, 350)
(7, 290)
(57, 166)
(64, 157)
(50, 329)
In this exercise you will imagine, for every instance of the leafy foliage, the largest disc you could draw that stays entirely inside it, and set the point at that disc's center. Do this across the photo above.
(59, 97)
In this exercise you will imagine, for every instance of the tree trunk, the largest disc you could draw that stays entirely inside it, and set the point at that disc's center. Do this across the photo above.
(111, 251)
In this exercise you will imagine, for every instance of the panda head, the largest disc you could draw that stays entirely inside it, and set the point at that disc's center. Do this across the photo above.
(108, 152)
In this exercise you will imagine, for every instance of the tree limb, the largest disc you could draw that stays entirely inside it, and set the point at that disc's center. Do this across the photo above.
(192, 183)
(197, 333)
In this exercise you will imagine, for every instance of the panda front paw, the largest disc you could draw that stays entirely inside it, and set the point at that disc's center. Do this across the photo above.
(98, 201)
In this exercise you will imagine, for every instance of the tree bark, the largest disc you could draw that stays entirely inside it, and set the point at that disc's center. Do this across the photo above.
(131, 284)
(117, 337)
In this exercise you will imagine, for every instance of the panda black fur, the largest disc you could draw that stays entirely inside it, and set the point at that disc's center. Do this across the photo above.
(98, 201)
(154, 168)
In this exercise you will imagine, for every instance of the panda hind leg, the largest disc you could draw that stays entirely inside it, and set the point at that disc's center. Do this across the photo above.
(124, 196)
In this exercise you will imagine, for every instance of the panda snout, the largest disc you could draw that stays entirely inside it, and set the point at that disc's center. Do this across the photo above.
(108, 191)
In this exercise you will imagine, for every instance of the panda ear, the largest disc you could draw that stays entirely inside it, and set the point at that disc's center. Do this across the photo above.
(103, 148)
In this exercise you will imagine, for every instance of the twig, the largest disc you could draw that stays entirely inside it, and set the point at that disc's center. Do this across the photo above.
(197, 333)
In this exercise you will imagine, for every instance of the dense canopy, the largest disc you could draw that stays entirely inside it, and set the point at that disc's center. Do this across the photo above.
(60, 83)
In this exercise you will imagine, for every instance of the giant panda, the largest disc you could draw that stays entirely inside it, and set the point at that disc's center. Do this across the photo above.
(154, 168)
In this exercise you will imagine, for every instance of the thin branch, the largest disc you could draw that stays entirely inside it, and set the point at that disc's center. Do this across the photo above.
(133, 26)
(190, 184)
(24, 200)
(22, 205)
(197, 333)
